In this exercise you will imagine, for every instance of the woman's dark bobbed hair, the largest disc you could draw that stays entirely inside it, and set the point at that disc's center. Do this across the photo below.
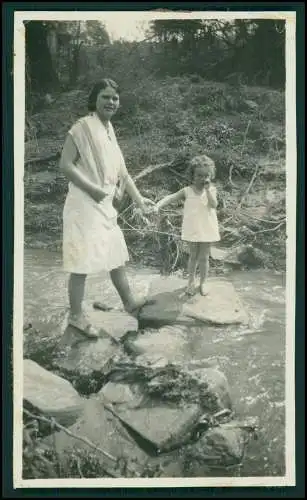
(98, 87)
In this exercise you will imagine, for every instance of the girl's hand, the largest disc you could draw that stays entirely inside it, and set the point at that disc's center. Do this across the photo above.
(207, 184)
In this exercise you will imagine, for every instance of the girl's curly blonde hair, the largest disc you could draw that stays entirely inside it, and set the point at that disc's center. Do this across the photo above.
(201, 161)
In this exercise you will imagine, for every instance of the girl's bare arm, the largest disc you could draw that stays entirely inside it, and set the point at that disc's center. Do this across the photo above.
(68, 159)
(171, 198)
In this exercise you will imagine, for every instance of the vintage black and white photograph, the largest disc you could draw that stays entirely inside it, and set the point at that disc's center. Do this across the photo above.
(155, 193)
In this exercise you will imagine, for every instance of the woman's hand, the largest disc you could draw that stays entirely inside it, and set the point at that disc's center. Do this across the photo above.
(147, 205)
(98, 194)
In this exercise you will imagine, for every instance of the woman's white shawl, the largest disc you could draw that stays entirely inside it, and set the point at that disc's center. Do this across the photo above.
(92, 141)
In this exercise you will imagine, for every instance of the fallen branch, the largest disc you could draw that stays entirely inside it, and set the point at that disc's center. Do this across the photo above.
(263, 220)
(271, 228)
(51, 421)
(38, 159)
(150, 231)
(184, 177)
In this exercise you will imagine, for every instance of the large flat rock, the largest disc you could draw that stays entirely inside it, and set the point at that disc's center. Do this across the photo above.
(50, 394)
(116, 324)
(104, 430)
(162, 426)
(85, 356)
(168, 343)
(222, 306)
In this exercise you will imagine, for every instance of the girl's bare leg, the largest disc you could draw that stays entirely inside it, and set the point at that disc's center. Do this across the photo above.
(192, 266)
(203, 257)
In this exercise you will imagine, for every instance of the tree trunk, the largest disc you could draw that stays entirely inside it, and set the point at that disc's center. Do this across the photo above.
(41, 73)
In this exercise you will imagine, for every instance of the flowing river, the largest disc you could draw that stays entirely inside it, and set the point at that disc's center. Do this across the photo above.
(252, 358)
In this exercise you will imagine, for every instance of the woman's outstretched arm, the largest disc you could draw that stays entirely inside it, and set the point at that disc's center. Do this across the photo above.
(135, 194)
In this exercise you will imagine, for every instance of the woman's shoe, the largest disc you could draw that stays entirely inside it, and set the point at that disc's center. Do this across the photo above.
(83, 324)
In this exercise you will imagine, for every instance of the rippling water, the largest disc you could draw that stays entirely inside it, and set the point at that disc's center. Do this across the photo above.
(252, 357)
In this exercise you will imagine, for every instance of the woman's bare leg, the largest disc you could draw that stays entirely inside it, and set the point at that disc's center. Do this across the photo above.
(76, 287)
(121, 283)
(77, 318)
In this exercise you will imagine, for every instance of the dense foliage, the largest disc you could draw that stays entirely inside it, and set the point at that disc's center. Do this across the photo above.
(61, 53)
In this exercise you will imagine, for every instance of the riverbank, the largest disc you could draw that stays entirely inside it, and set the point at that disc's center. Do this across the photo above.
(167, 122)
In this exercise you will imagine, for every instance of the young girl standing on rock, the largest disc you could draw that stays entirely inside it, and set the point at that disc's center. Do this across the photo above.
(200, 224)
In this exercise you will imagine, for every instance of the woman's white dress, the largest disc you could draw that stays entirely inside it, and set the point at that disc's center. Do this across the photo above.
(92, 239)
(200, 223)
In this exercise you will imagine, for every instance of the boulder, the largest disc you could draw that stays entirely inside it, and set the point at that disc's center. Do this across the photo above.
(221, 446)
(242, 255)
(216, 384)
(221, 306)
(50, 394)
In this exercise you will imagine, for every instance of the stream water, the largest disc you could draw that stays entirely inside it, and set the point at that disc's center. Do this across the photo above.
(252, 358)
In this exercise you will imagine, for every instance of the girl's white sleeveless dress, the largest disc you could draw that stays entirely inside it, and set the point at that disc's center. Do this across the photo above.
(92, 239)
(200, 223)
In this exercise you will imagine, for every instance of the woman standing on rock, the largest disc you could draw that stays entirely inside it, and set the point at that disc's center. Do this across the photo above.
(92, 240)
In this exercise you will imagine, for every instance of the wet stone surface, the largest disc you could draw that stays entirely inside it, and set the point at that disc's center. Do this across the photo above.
(221, 306)
(86, 356)
(105, 431)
